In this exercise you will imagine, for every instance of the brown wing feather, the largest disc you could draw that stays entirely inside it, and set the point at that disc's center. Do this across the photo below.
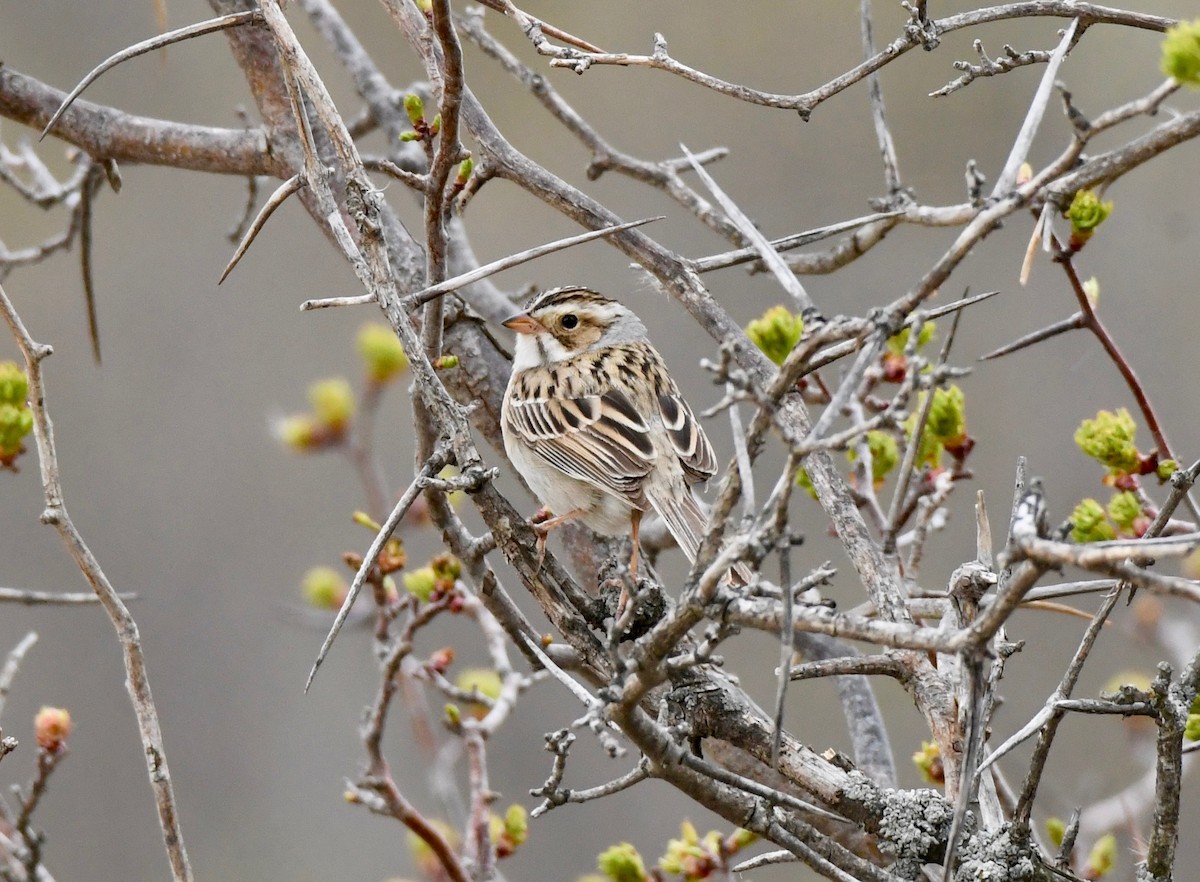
(687, 436)
(596, 438)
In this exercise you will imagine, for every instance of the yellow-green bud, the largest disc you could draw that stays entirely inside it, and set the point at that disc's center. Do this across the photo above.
(898, 342)
(382, 353)
(415, 108)
(947, 415)
(1056, 829)
(14, 386)
(425, 6)
(1091, 290)
(365, 520)
(323, 588)
(741, 838)
(1103, 856)
(622, 863)
(516, 824)
(299, 433)
(928, 761)
(1192, 730)
(1087, 212)
(445, 362)
(1091, 524)
(420, 583)
(1124, 509)
(464, 170)
(804, 482)
(1181, 53)
(446, 566)
(410, 136)
(885, 454)
(485, 681)
(426, 858)
(1165, 469)
(453, 715)
(776, 333)
(332, 402)
(1109, 438)
(16, 421)
(436, 125)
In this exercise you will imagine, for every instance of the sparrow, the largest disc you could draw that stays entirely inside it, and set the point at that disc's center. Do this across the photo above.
(595, 425)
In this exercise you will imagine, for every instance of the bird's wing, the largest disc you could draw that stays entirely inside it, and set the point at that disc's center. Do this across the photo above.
(597, 438)
(687, 436)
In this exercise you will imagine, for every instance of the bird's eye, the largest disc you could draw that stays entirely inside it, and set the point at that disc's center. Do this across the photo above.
(569, 321)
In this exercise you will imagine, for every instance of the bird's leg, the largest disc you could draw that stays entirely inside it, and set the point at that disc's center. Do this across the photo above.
(543, 522)
(635, 522)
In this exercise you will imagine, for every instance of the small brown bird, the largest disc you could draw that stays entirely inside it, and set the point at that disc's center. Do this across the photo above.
(597, 427)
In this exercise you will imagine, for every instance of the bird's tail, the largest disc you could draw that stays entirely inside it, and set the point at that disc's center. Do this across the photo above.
(687, 519)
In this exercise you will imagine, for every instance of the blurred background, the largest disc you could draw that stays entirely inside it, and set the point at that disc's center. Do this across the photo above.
(173, 476)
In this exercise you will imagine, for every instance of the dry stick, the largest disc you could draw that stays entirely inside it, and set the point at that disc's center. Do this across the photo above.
(483, 272)
(86, 191)
(136, 680)
(786, 243)
(211, 26)
(887, 147)
(11, 663)
(1041, 751)
(286, 189)
(1037, 109)
(49, 598)
(432, 466)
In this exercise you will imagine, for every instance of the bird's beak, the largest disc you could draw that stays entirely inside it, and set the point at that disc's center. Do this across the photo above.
(522, 324)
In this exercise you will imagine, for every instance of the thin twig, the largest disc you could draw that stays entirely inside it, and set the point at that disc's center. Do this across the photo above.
(136, 679)
(210, 26)
(286, 189)
(12, 662)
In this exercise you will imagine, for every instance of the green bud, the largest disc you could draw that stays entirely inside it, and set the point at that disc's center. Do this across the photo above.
(485, 681)
(436, 125)
(1109, 438)
(885, 454)
(804, 482)
(464, 170)
(947, 415)
(332, 402)
(16, 421)
(14, 387)
(323, 588)
(1103, 856)
(1091, 524)
(453, 715)
(776, 333)
(299, 433)
(622, 863)
(420, 583)
(382, 353)
(415, 108)
(928, 761)
(1181, 53)
(445, 362)
(1087, 212)
(1124, 509)
(741, 838)
(516, 824)
(365, 520)
(897, 343)
(446, 566)
(410, 136)
(1056, 829)
(1165, 469)
(1192, 730)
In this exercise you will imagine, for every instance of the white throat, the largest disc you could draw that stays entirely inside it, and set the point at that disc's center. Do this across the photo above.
(535, 350)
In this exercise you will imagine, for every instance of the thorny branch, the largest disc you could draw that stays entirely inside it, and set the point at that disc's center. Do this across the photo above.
(655, 684)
